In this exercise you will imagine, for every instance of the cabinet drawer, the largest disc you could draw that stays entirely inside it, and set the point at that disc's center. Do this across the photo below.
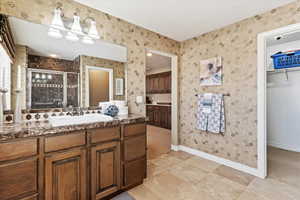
(135, 147)
(134, 172)
(134, 129)
(56, 143)
(18, 179)
(18, 149)
(104, 134)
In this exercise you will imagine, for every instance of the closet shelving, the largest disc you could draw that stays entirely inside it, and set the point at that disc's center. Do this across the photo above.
(285, 71)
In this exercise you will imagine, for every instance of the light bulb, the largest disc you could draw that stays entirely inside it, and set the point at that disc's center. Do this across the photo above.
(57, 20)
(93, 33)
(76, 27)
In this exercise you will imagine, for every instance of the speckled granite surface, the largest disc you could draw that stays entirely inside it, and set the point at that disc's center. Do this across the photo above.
(42, 128)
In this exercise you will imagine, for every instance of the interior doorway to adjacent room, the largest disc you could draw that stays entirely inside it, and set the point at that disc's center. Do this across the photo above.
(278, 104)
(161, 102)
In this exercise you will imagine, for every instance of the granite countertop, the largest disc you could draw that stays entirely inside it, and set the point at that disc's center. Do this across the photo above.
(42, 128)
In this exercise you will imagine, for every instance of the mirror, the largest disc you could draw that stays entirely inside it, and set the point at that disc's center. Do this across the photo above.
(59, 73)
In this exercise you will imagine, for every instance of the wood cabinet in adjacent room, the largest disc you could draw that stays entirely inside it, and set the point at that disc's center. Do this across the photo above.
(159, 116)
(158, 83)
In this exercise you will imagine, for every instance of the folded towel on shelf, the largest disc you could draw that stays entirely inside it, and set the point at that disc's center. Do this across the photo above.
(210, 113)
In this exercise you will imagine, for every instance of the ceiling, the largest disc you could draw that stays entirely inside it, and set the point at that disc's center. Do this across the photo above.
(156, 61)
(35, 37)
(183, 19)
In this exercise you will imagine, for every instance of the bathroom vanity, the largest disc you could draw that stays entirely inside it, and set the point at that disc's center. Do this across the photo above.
(54, 142)
(74, 162)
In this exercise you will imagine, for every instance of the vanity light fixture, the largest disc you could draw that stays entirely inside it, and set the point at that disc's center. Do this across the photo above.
(85, 30)
(57, 22)
(76, 27)
(93, 33)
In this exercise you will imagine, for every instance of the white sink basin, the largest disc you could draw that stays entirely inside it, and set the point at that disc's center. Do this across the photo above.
(76, 120)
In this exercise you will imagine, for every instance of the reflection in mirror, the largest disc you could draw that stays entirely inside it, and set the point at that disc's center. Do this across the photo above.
(59, 73)
(99, 76)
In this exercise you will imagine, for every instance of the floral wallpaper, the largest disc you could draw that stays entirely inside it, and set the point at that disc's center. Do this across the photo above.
(111, 29)
(237, 45)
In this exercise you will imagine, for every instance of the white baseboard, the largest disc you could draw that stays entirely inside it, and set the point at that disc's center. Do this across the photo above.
(222, 161)
(174, 147)
(283, 146)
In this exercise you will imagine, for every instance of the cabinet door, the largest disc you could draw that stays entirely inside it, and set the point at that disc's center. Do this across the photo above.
(65, 175)
(168, 83)
(147, 84)
(155, 84)
(169, 118)
(151, 84)
(150, 114)
(135, 172)
(163, 117)
(105, 169)
(18, 179)
(156, 116)
(161, 84)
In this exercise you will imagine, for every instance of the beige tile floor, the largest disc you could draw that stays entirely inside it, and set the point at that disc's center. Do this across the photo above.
(181, 176)
(158, 141)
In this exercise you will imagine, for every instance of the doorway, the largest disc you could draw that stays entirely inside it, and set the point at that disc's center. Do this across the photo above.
(99, 84)
(278, 107)
(161, 102)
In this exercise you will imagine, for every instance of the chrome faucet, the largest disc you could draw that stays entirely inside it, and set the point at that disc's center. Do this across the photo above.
(77, 111)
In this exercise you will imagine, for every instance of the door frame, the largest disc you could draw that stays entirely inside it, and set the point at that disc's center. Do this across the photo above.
(87, 79)
(262, 94)
(174, 96)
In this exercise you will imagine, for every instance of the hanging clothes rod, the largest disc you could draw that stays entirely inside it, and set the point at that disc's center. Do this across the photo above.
(225, 94)
(275, 71)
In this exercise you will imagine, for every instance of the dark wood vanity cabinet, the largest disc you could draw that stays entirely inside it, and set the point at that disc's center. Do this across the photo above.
(19, 169)
(134, 155)
(65, 175)
(159, 83)
(82, 165)
(159, 116)
(105, 169)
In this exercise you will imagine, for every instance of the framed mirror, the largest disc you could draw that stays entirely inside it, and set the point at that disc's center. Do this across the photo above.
(60, 73)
